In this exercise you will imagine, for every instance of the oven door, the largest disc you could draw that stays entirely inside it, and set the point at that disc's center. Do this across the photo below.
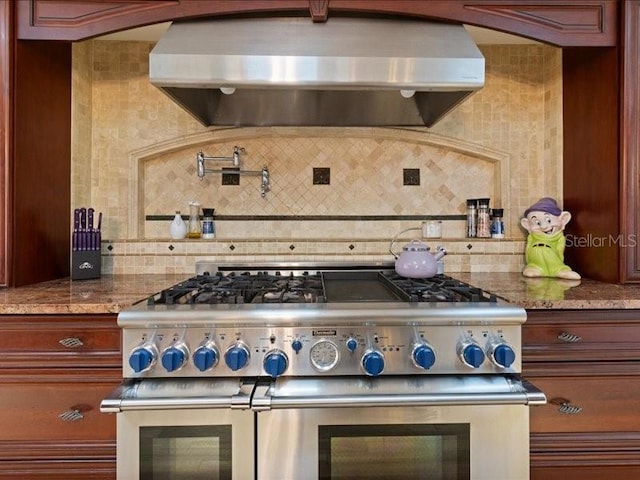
(441, 428)
(190, 428)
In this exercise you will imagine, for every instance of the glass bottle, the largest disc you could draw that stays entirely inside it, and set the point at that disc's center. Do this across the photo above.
(484, 218)
(208, 225)
(195, 230)
(497, 224)
(472, 217)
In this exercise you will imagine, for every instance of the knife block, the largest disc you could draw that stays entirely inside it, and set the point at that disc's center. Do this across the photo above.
(85, 264)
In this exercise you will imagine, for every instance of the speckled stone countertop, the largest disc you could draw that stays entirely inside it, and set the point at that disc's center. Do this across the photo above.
(112, 293)
(109, 294)
(553, 293)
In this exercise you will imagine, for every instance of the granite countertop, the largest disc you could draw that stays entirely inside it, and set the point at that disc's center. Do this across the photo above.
(554, 293)
(112, 293)
(108, 294)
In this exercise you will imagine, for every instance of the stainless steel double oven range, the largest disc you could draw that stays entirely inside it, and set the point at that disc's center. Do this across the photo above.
(317, 371)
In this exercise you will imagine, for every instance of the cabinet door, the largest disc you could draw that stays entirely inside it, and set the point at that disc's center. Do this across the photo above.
(630, 142)
(5, 134)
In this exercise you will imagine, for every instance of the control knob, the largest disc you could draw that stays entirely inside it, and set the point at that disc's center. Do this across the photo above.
(352, 344)
(275, 363)
(296, 345)
(423, 356)
(206, 356)
(373, 362)
(502, 354)
(237, 356)
(471, 354)
(174, 357)
(143, 357)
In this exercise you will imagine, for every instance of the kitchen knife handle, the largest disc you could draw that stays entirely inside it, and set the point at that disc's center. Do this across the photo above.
(90, 219)
(76, 228)
(83, 218)
(76, 219)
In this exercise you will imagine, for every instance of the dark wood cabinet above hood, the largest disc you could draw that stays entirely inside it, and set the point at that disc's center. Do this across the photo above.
(567, 23)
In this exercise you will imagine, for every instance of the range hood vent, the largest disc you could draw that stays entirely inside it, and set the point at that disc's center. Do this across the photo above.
(293, 72)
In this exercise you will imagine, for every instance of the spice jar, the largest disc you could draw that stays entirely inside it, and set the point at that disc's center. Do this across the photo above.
(208, 225)
(497, 224)
(472, 217)
(484, 218)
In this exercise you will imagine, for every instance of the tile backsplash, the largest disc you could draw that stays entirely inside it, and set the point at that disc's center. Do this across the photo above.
(134, 158)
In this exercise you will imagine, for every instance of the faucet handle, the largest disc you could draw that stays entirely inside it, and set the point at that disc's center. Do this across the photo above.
(265, 185)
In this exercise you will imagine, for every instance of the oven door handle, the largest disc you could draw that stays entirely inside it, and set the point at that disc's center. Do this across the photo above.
(525, 394)
(128, 397)
(109, 405)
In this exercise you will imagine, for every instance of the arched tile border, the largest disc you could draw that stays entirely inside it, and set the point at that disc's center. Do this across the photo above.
(499, 159)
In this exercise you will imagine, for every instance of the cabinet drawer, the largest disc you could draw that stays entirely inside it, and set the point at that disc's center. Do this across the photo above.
(580, 472)
(54, 340)
(52, 407)
(595, 403)
(57, 469)
(581, 336)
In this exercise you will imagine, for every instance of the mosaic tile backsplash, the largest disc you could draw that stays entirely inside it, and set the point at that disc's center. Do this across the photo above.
(134, 159)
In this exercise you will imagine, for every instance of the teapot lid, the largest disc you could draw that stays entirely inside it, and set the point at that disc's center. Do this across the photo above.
(415, 246)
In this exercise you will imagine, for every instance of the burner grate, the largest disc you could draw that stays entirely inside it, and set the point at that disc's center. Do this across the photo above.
(239, 288)
(263, 287)
(440, 288)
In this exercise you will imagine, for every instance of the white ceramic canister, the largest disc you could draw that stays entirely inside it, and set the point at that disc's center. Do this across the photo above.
(178, 228)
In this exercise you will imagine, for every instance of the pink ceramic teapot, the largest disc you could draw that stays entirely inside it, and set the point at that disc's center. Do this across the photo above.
(415, 261)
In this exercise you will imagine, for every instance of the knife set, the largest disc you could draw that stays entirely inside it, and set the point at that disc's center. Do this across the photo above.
(85, 248)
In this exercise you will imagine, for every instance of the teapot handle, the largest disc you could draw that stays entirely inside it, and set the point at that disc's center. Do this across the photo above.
(395, 238)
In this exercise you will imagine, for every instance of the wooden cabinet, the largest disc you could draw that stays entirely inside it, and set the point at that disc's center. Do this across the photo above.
(55, 370)
(602, 154)
(563, 23)
(630, 142)
(588, 364)
(35, 160)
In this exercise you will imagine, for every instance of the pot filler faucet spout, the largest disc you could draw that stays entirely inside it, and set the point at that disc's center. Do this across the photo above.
(265, 184)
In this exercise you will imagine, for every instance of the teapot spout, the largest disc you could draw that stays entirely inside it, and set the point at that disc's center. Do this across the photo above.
(439, 254)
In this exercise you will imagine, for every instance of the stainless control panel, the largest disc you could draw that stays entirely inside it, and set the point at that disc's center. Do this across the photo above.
(197, 351)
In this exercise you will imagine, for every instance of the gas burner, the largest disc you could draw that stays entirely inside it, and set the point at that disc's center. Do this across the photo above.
(440, 288)
(302, 287)
(239, 288)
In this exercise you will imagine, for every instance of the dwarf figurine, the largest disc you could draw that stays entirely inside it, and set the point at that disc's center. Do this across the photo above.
(544, 253)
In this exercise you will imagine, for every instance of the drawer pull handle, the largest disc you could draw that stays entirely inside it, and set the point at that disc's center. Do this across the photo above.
(71, 416)
(71, 342)
(565, 407)
(569, 337)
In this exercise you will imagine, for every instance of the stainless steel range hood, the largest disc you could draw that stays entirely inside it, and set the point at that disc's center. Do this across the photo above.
(291, 71)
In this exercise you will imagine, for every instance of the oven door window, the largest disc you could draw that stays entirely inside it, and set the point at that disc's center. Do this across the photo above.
(403, 452)
(196, 453)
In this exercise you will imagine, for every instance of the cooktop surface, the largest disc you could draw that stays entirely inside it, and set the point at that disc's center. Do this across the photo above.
(239, 287)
